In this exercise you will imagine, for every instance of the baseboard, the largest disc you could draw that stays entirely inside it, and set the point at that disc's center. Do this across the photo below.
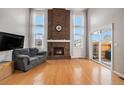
(119, 74)
(76, 57)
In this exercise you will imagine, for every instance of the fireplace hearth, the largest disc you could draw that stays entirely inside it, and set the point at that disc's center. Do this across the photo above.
(58, 50)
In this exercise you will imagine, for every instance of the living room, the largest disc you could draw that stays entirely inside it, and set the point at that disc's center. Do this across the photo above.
(61, 46)
(37, 42)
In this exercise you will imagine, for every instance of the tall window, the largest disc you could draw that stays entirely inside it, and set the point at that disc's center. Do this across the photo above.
(78, 27)
(38, 29)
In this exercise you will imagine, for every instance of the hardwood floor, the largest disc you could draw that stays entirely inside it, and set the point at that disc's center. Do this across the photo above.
(64, 72)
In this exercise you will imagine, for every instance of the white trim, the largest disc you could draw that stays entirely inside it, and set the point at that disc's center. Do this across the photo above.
(58, 40)
(112, 47)
(119, 74)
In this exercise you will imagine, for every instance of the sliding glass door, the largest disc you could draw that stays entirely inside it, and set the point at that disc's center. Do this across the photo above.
(106, 43)
(101, 42)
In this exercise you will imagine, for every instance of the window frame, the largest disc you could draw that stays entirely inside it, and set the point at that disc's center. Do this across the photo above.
(81, 26)
(42, 26)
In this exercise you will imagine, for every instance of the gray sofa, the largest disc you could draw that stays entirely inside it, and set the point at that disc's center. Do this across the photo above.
(27, 58)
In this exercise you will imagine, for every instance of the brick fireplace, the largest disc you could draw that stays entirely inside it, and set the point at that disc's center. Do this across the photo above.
(58, 51)
(58, 41)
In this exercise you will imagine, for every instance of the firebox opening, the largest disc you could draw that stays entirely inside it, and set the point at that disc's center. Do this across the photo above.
(58, 50)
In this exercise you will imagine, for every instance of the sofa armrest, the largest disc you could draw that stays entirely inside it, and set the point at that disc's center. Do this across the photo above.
(42, 53)
(23, 59)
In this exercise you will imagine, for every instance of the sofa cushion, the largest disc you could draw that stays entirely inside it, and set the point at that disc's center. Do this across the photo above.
(33, 51)
(24, 51)
(33, 58)
(40, 56)
(34, 61)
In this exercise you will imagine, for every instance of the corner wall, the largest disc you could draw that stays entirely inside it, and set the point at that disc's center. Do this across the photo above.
(103, 16)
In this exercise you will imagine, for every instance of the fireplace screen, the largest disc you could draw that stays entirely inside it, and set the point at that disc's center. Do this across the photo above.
(58, 50)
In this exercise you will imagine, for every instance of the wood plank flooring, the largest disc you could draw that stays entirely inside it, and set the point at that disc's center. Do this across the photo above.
(64, 72)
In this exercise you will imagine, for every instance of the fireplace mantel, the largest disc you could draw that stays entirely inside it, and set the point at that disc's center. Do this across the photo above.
(58, 40)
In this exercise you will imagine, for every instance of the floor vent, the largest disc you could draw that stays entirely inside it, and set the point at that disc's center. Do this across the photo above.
(121, 78)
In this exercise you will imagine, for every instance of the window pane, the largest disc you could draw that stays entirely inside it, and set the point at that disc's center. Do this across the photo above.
(106, 47)
(95, 45)
(77, 40)
(38, 36)
(39, 20)
(78, 20)
(95, 37)
(77, 37)
(78, 31)
(38, 30)
(38, 41)
(106, 36)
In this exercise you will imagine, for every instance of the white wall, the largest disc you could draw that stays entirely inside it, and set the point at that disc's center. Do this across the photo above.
(103, 16)
(14, 20)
